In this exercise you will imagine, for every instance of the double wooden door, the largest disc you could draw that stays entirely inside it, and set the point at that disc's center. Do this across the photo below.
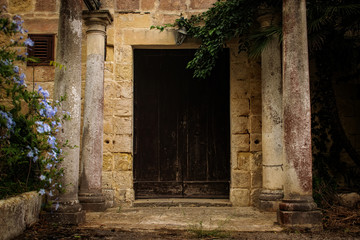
(181, 127)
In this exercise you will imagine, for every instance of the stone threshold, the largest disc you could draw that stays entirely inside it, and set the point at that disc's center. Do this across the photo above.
(182, 202)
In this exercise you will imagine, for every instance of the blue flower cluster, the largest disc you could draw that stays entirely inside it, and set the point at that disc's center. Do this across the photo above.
(10, 124)
(41, 145)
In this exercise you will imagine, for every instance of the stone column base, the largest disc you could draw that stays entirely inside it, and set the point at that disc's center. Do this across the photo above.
(270, 199)
(66, 213)
(299, 214)
(92, 202)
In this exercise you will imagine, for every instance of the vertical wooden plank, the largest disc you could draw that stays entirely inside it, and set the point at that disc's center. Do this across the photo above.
(146, 117)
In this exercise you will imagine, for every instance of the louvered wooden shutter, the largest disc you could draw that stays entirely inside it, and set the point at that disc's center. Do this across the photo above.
(43, 49)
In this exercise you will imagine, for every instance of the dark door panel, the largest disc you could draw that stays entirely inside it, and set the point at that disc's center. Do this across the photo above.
(181, 127)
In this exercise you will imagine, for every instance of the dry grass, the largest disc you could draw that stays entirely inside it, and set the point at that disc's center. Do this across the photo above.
(338, 217)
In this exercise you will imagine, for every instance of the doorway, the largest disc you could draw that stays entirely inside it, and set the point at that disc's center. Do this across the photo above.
(181, 127)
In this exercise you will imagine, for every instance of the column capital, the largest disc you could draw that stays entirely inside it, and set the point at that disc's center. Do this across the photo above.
(102, 17)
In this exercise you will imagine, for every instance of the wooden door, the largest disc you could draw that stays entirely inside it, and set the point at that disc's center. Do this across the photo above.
(181, 127)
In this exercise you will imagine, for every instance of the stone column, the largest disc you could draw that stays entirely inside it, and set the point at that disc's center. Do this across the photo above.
(298, 208)
(68, 83)
(91, 196)
(272, 132)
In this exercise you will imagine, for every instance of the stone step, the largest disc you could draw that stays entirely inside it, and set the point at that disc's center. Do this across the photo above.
(181, 202)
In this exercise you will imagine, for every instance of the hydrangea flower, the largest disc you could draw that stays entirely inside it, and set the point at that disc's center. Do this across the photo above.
(42, 177)
(42, 191)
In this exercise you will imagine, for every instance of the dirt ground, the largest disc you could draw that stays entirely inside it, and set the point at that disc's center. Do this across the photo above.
(42, 230)
(338, 223)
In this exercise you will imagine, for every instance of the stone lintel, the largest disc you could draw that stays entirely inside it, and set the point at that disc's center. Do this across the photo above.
(102, 17)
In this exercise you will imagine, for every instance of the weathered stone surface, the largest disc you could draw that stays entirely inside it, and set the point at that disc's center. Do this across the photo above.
(134, 21)
(255, 106)
(107, 180)
(20, 6)
(124, 72)
(107, 4)
(108, 125)
(255, 88)
(41, 74)
(201, 4)
(45, 5)
(123, 161)
(109, 53)
(122, 125)
(255, 142)
(256, 161)
(255, 124)
(239, 88)
(124, 54)
(123, 179)
(256, 179)
(108, 162)
(298, 206)
(39, 25)
(108, 143)
(147, 5)
(148, 37)
(240, 197)
(109, 197)
(350, 199)
(126, 89)
(240, 107)
(111, 90)
(127, 5)
(240, 179)
(122, 143)
(172, 5)
(3, 3)
(239, 71)
(240, 143)
(243, 159)
(239, 124)
(254, 197)
(299, 219)
(118, 107)
(17, 213)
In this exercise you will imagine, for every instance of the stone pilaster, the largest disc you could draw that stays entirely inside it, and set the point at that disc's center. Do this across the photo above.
(68, 83)
(90, 195)
(272, 131)
(298, 208)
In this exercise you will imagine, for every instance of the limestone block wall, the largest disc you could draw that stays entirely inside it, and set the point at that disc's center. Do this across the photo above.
(245, 108)
(40, 17)
(130, 30)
